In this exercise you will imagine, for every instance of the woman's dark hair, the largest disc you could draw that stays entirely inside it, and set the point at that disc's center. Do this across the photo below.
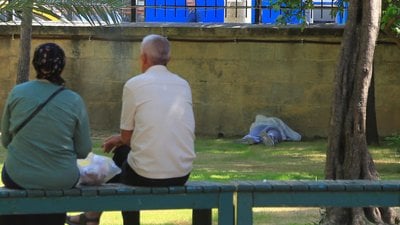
(49, 61)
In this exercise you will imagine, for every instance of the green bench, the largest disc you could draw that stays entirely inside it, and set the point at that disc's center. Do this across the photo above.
(324, 193)
(234, 200)
(199, 196)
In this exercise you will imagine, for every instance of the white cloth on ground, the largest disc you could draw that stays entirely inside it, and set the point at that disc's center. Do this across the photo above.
(287, 133)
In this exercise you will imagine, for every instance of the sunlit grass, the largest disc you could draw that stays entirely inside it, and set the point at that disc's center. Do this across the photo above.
(229, 160)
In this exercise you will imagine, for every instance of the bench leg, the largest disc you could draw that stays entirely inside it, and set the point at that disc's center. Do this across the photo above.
(226, 214)
(201, 217)
(244, 209)
(131, 217)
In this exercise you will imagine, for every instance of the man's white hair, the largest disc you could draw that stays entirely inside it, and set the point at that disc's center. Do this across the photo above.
(156, 48)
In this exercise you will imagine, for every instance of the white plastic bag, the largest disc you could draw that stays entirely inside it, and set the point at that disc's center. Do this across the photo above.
(96, 169)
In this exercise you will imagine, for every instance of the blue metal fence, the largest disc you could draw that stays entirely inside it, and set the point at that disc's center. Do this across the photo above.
(215, 11)
(226, 11)
(179, 11)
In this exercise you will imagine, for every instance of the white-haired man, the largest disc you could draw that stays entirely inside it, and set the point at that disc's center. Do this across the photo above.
(155, 146)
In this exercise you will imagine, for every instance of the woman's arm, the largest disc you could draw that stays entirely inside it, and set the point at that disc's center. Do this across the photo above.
(6, 137)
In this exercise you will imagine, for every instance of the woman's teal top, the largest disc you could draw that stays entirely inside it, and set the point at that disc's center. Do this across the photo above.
(44, 153)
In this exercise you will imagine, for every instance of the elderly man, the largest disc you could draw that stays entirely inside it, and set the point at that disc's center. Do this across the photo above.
(155, 146)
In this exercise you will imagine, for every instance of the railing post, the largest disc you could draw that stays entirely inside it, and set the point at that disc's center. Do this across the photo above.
(133, 10)
(257, 12)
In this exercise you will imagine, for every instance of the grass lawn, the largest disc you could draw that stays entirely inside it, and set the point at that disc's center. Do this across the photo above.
(224, 160)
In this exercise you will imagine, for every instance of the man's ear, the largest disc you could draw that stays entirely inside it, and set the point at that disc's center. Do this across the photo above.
(144, 62)
(143, 57)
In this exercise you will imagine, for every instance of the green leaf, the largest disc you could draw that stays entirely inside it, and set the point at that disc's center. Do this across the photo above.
(94, 11)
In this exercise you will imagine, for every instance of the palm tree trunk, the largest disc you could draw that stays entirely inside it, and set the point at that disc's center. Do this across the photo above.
(25, 46)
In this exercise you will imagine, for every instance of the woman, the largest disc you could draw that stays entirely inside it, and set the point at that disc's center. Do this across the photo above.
(42, 154)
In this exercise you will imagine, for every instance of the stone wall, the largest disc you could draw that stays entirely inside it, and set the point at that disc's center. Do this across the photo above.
(236, 72)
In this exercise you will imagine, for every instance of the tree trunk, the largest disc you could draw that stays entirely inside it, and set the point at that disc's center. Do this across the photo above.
(348, 156)
(372, 128)
(25, 46)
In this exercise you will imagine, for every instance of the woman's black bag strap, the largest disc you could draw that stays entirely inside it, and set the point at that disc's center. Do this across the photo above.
(40, 107)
